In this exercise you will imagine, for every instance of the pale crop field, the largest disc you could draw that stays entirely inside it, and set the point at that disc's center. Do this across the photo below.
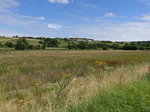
(61, 80)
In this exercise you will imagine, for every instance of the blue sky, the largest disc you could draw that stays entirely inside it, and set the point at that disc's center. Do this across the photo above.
(116, 20)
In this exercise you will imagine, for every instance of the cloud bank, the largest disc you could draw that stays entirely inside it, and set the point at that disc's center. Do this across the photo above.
(98, 28)
(5, 5)
(110, 14)
(54, 26)
(59, 1)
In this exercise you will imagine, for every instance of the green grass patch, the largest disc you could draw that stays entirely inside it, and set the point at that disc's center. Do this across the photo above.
(133, 97)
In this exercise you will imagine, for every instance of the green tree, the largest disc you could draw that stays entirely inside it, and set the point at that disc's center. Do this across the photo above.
(115, 46)
(1, 45)
(9, 44)
(51, 42)
(21, 44)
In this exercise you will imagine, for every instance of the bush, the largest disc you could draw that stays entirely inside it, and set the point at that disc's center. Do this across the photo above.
(40, 42)
(51, 42)
(30, 47)
(130, 46)
(9, 44)
(38, 47)
(71, 45)
(21, 44)
(43, 46)
(105, 48)
(115, 46)
(1, 45)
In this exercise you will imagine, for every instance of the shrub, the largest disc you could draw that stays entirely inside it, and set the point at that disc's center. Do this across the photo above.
(38, 47)
(21, 44)
(30, 47)
(51, 42)
(115, 46)
(130, 46)
(1, 45)
(40, 42)
(9, 44)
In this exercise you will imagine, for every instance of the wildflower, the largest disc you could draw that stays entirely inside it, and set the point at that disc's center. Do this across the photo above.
(38, 83)
(101, 63)
(67, 75)
(21, 101)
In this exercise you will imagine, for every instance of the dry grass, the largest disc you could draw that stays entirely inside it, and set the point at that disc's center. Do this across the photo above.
(87, 86)
(78, 89)
(50, 80)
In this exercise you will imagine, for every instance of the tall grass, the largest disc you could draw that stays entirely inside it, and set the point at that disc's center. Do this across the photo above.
(133, 97)
(47, 81)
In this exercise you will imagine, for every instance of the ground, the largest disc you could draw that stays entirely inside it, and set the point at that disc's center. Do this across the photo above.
(54, 80)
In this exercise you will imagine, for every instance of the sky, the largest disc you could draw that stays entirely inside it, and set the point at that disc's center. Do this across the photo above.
(115, 20)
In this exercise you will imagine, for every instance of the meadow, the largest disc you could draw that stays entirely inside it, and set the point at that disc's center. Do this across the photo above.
(74, 81)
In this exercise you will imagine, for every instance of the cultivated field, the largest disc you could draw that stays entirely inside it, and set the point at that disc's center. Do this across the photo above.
(74, 81)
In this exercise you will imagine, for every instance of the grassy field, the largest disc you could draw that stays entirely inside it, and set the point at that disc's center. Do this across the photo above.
(74, 81)
(10, 39)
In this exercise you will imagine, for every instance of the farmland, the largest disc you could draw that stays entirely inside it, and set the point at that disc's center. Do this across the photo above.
(40, 43)
(74, 56)
(74, 81)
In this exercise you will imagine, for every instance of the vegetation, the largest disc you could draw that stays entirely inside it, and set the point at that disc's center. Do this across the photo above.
(74, 81)
(9, 44)
(90, 76)
(23, 44)
(113, 45)
(133, 97)
(73, 44)
(51, 42)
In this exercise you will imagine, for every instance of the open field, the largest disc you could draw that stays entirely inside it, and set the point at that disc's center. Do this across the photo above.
(11, 39)
(74, 81)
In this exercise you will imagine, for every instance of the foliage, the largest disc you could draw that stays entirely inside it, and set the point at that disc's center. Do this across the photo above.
(72, 43)
(46, 81)
(10, 44)
(51, 42)
(116, 46)
(133, 97)
(131, 46)
(21, 44)
(86, 45)
(1, 45)
(110, 45)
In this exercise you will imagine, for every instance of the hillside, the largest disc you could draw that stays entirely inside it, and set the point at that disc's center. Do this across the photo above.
(75, 44)
(13, 39)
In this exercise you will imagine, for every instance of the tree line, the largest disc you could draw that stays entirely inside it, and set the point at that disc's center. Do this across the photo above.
(106, 46)
(23, 44)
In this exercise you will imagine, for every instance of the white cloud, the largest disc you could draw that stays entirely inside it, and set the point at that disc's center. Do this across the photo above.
(129, 31)
(145, 1)
(18, 23)
(145, 17)
(110, 14)
(88, 5)
(5, 5)
(41, 18)
(59, 1)
(54, 26)
(9, 17)
(96, 28)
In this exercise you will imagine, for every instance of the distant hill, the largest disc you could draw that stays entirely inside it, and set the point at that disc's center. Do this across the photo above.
(32, 41)
(75, 43)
